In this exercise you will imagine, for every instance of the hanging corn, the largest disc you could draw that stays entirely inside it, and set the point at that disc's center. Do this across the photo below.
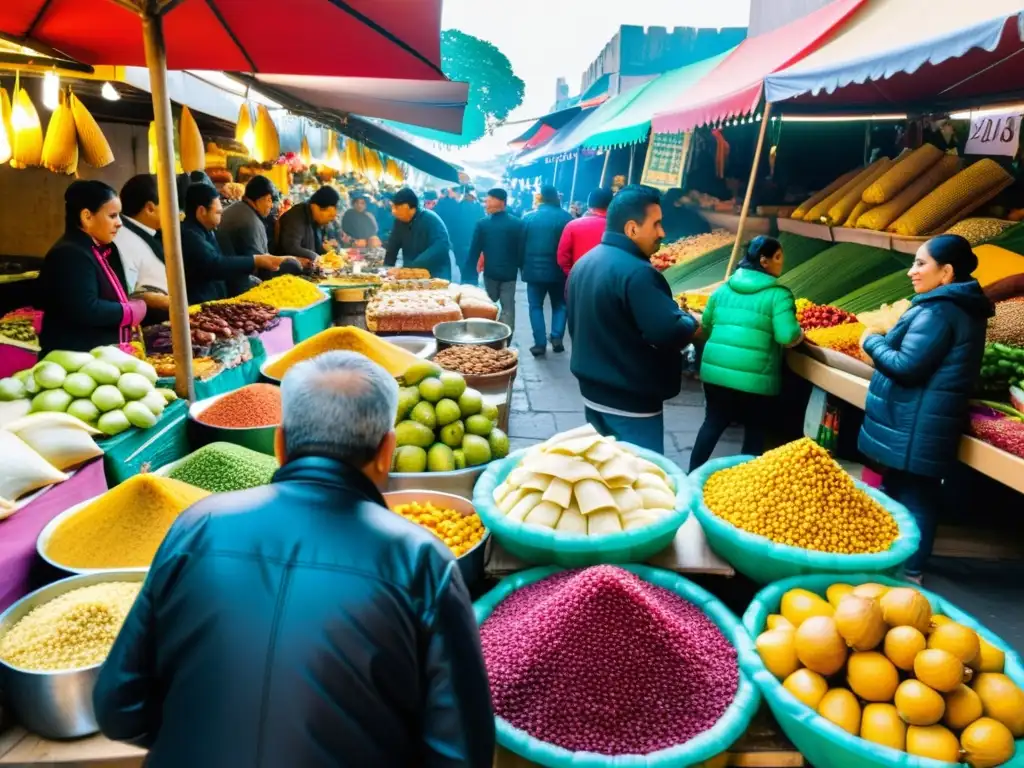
(333, 159)
(353, 159)
(394, 170)
(60, 147)
(6, 133)
(304, 154)
(244, 133)
(95, 149)
(27, 146)
(193, 152)
(268, 145)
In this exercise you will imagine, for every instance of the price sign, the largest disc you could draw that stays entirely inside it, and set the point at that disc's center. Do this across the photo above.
(994, 134)
(666, 159)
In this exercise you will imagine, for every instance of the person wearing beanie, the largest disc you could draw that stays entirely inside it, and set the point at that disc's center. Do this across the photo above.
(584, 233)
(420, 235)
(542, 230)
(925, 367)
(300, 231)
(747, 323)
(497, 248)
(242, 230)
(358, 223)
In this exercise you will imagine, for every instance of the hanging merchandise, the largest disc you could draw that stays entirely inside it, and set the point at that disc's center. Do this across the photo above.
(193, 152)
(244, 133)
(268, 144)
(6, 134)
(372, 166)
(333, 159)
(94, 147)
(353, 162)
(27, 144)
(304, 154)
(60, 147)
(394, 170)
(721, 153)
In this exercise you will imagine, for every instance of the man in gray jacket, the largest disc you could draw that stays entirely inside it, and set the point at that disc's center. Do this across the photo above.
(242, 230)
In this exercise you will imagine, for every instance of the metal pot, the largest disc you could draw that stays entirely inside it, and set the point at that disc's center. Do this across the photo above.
(486, 333)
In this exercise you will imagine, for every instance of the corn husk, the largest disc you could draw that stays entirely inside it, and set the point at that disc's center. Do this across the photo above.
(353, 161)
(394, 170)
(193, 151)
(27, 146)
(304, 154)
(332, 159)
(268, 144)
(6, 132)
(60, 147)
(244, 128)
(93, 145)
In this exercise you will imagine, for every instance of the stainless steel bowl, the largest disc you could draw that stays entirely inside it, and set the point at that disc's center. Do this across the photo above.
(54, 705)
(459, 482)
(259, 439)
(487, 333)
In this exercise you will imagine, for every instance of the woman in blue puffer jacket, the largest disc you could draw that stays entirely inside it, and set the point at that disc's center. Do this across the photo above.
(925, 369)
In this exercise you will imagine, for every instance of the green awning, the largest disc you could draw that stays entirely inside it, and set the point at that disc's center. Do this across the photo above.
(627, 117)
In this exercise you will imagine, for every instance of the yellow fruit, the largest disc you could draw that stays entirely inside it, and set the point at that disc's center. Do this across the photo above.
(778, 652)
(959, 640)
(906, 607)
(859, 621)
(871, 590)
(940, 670)
(933, 741)
(918, 704)
(881, 724)
(937, 621)
(837, 592)
(987, 743)
(191, 147)
(963, 707)
(777, 621)
(989, 658)
(841, 707)
(798, 605)
(1002, 700)
(807, 687)
(872, 676)
(819, 646)
(902, 644)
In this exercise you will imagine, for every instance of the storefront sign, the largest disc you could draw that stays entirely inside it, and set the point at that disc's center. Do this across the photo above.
(666, 159)
(994, 134)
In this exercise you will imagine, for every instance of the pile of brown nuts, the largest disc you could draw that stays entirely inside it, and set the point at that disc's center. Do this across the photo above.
(476, 360)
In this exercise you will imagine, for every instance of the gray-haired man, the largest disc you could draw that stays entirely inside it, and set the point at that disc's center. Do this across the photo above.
(302, 623)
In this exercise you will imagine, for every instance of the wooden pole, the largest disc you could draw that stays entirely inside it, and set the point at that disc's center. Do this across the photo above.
(170, 225)
(604, 168)
(632, 152)
(750, 188)
(575, 170)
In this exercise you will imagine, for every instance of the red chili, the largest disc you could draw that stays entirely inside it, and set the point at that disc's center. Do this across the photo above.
(257, 405)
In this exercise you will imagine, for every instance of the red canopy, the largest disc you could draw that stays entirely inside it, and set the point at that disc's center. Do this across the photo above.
(734, 87)
(352, 38)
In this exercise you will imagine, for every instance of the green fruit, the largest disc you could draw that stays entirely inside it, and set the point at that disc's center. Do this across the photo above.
(452, 434)
(431, 390)
(414, 433)
(470, 402)
(49, 375)
(490, 410)
(479, 425)
(134, 386)
(460, 458)
(410, 458)
(79, 384)
(498, 441)
(424, 414)
(440, 458)
(447, 411)
(407, 399)
(51, 400)
(84, 410)
(417, 372)
(101, 372)
(107, 398)
(113, 423)
(454, 384)
(13, 389)
(139, 415)
(477, 450)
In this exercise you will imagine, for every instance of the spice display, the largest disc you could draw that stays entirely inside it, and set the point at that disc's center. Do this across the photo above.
(978, 230)
(460, 533)
(395, 360)
(257, 405)
(247, 317)
(410, 311)
(75, 630)
(443, 425)
(892, 288)
(811, 315)
(1007, 327)
(1002, 367)
(124, 527)
(408, 273)
(284, 292)
(997, 429)
(841, 338)
(798, 495)
(579, 482)
(598, 660)
(224, 467)
(688, 248)
(18, 328)
(475, 359)
(203, 368)
(840, 269)
(884, 319)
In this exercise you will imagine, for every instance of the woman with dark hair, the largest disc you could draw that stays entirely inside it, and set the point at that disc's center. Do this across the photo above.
(83, 291)
(925, 368)
(747, 323)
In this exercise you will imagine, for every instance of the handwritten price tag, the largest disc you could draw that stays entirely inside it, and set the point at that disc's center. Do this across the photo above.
(994, 134)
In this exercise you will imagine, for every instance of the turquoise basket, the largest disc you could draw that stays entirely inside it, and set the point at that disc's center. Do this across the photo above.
(540, 546)
(764, 561)
(704, 747)
(820, 741)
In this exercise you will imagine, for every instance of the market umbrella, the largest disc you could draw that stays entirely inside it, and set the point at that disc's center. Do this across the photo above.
(396, 38)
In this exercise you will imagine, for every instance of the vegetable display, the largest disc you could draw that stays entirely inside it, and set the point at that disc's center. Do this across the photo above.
(1002, 366)
(811, 315)
(842, 338)
(224, 467)
(284, 292)
(688, 248)
(460, 533)
(256, 405)
(840, 269)
(998, 429)
(889, 289)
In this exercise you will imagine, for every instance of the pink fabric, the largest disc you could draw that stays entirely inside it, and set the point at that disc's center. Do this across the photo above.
(102, 255)
(278, 339)
(14, 359)
(871, 478)
(580, 236)
(19, 532)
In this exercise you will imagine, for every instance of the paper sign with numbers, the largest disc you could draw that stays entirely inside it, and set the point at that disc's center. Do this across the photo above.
(994, 134)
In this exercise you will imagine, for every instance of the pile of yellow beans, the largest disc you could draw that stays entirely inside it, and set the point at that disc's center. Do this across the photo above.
(459, 532)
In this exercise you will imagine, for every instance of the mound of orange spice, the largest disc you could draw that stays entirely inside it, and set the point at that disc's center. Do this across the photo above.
(257, 405)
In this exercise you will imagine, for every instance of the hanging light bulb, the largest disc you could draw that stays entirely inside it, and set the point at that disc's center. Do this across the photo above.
(109, 92)
(51, 90)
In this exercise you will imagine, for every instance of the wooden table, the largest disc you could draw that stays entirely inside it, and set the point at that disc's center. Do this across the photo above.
(19, 747)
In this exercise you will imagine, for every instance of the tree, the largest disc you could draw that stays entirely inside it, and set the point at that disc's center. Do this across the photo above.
(494, 89)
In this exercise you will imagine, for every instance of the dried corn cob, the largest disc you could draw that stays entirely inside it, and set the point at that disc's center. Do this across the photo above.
(880, 217)
(268, 144)
(244, 133)
(888, 185)
(60, 147)
(27, 142)
(304, 154)
(193, 153)
(820, 211)
(841, 211)
(953, 195)
(978, 230)
(856, 213)
(93, 145)
(6, 132)
(802, 209)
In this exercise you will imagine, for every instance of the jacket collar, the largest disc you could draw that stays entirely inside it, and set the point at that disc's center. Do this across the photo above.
(331, 472)
(78, 237)
(129, 220)
(623, 243)
(597, 213)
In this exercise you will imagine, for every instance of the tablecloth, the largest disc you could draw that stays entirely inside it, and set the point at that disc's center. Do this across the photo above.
(19, 532)
(161, 444)
(278, 339)
(311, 320)
(14, 358)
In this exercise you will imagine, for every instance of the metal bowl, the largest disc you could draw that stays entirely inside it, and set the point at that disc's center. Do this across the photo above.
(487, 333)
(471, 564)
(459, 482)
(43, 540)
(54, 704)
(259, 439)
(422, 347)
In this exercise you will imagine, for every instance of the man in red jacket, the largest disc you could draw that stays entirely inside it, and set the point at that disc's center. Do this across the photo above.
(582, 234)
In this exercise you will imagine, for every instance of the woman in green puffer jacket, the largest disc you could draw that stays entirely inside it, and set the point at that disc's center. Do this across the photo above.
(747, 322)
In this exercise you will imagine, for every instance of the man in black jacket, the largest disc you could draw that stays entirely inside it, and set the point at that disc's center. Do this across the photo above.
(420, 235)
(301, 229)
(542, 231)
(498, 239)
(627, 330)
(302, 623)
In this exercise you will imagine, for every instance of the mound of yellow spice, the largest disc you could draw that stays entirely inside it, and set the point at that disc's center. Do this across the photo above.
(394, 360)
(798, 495)
(124, 527)
(284, 292)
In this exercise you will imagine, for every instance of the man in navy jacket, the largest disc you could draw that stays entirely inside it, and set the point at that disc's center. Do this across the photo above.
(542, 229)
(498, 239)
(420, 235)
(627, 330)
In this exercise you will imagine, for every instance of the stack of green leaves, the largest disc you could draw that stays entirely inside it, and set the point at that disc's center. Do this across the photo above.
(1001, 367)
(884, 290)
(841, 269)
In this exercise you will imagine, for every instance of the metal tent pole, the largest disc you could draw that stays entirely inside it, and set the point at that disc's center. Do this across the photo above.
(750, 188)
(575, 170)
(170, 225)
(632, 152)
(604, 168)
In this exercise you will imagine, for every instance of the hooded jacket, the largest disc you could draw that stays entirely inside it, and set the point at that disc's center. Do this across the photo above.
(747, 322)
(300, 623)
(925, 368)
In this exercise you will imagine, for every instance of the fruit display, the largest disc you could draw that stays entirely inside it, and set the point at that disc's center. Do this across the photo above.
(75, 630)
(443, 425)
(476, 359)
(410, 311)
(688, 248)
(841, 338)
(613, 661)
(811, 315)
(255, 405)
(108, 388)
(696, 301)
(884, 319)
(881, 661)
(224, 467)
(460, 533)
(284, 292)
(393, 359)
